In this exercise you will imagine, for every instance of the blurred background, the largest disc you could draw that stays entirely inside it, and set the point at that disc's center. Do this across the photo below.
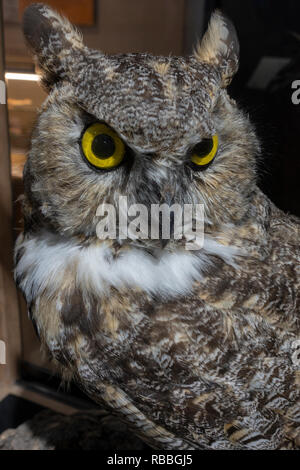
(269, 34)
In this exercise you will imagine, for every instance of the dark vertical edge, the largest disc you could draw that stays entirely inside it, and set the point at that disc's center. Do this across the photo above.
(10, 331)
(193, 24)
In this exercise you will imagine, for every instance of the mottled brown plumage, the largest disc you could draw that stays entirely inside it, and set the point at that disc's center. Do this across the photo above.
(192, 349)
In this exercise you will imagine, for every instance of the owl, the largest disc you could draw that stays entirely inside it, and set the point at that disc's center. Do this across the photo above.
(193, 349)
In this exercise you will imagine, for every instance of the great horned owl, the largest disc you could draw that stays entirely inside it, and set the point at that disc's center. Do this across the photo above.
(192, 348)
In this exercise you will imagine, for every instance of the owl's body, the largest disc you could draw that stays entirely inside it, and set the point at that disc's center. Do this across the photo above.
(194, 349)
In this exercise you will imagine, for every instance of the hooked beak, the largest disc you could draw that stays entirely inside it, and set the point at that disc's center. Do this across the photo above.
(169, 200)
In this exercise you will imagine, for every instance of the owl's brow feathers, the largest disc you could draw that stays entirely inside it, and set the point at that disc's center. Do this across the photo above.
(156, 94)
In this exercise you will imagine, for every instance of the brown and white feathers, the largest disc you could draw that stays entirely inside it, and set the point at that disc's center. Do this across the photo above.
(194, 349)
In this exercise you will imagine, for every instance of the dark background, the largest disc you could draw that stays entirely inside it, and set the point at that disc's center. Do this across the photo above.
(270, 28)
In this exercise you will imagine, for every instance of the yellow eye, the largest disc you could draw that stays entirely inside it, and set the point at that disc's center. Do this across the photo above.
(102, 147)
(204, 152)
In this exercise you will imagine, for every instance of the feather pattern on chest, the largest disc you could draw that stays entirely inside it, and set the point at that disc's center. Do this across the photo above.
(224, 342)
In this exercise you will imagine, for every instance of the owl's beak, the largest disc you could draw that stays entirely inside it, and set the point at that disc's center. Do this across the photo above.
(163, 243)
(169, 200)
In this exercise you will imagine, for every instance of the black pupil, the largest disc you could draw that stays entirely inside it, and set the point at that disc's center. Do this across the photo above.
(203, 148)
(103, 146)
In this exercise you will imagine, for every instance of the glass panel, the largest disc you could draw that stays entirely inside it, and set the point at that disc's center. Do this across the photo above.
(24, 97)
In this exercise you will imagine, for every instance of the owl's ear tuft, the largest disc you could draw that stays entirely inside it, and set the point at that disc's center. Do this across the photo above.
(220, 47)
(53, 40)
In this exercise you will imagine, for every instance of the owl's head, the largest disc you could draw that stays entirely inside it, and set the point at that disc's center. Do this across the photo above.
(154, 129)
